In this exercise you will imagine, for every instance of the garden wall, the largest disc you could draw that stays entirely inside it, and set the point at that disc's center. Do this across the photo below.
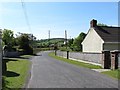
(12, 54)
(90, 57)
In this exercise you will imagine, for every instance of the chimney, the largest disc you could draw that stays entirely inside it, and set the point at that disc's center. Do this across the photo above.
(93, 23)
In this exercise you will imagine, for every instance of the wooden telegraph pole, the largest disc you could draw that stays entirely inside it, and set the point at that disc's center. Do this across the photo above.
(66, 38)
(49, 38)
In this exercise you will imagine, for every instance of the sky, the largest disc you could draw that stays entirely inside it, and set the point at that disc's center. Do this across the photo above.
(74, 17)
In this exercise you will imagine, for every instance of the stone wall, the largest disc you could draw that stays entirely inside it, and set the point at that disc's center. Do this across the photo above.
(62, 53)
(11, 54)
(91, 57)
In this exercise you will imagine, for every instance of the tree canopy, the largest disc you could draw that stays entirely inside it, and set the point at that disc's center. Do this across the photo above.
(7, 37)
(77, 42)
(23, 41)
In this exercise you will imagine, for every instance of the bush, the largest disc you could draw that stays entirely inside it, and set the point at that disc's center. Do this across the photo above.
(76, 48)
(65, 49)
(13, 49)
(4, 67)
(29, 50)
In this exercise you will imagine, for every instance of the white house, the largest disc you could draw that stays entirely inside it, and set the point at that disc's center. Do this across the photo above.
(101, 38)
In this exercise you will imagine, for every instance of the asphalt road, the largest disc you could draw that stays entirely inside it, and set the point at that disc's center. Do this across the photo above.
(47, 72)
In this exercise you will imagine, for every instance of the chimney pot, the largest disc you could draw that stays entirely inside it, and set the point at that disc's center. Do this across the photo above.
(93, 23)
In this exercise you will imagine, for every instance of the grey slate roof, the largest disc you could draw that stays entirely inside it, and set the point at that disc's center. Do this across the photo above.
(108, 34)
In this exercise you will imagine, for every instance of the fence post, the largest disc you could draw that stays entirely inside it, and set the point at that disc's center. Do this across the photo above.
(67, 54)
(106, 62)
(55, 52)
(114, 59)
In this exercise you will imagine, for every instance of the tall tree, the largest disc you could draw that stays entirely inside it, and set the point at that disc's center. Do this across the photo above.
(7, 37)
(23, 41)
(77, 42)
(70, 42)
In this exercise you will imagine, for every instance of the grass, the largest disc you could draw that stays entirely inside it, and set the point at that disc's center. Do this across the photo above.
(113, 73)
(86, 65)
(17, 72)
(26, 56)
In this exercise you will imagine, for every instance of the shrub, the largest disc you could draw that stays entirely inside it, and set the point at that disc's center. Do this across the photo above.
(13, 49)
(29, 50)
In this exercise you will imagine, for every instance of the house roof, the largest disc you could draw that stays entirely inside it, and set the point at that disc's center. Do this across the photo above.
(108, 34)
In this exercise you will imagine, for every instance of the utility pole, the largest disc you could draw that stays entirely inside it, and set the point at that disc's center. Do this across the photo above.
(49, 38)
(66, 38)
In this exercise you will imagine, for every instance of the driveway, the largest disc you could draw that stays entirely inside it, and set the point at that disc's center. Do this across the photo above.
(46, 72)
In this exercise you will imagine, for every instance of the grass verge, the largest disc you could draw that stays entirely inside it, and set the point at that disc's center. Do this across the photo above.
(86, 65)
(26, 56)
(17, 72)
(113, 73)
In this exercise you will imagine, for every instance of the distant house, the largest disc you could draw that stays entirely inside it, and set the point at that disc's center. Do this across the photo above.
(101, 38)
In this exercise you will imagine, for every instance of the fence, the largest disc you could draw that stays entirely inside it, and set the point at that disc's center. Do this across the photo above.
(90, 57)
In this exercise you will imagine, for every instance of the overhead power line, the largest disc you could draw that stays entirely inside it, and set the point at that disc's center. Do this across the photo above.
(26, 16)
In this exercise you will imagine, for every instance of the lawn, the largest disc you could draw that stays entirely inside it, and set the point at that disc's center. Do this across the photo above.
(17, 72)
(86, 65)
(26, 56)
(113, 73)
